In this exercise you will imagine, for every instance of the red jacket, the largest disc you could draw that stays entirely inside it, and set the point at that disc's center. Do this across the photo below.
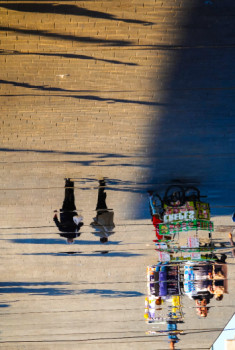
(156, 223)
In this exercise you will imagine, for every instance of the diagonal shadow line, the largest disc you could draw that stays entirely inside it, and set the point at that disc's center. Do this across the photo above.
(98, 155)
(98, 254)
(68, 10)
(113, 100)
(66, 55)
(84, 162)
(183, 47)
(94, 98)
(80, 97)
(39, 87)
(88, 40)
(101, 163)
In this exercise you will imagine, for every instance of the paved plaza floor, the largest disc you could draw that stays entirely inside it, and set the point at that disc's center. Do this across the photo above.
(140, 93)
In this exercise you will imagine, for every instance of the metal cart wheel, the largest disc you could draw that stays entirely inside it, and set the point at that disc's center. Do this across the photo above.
(192, 194)
(174, 196)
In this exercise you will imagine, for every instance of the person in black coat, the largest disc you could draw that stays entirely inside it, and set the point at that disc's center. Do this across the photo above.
(70, 223)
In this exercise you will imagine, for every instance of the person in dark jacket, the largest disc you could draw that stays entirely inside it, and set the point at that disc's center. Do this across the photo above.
(70, 223)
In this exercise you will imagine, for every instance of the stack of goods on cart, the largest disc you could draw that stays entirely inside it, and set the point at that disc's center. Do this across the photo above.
(205, 276)
(163, 280)
(163, 285)
(154, 313)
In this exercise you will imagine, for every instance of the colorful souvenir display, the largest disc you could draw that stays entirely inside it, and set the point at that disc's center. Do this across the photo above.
(175, 227)
(189, 211)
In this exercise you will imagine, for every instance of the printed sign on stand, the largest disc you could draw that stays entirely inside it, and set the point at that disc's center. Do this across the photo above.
(186, 215)
(193, 242)
(163, 256)
(189, 211)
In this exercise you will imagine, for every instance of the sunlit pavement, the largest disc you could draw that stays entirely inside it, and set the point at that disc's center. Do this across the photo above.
(141, 93)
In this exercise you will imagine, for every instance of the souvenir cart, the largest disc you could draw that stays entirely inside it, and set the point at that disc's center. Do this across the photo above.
(184, 242)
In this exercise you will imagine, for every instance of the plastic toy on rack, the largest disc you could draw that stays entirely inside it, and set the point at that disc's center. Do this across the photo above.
(163, 312)
(177, 311)
(154, 313)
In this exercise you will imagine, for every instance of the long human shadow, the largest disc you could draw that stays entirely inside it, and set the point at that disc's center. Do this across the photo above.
(26, 284)
(45, 288)
(71, 153)
(35, 288)
(57, 241)
(67, 37)
(65, 9)
(37, 241)
(104, 159)
(192, 140)
(66, 55)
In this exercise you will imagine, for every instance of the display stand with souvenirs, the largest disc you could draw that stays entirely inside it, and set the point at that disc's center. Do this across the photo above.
(186, 265)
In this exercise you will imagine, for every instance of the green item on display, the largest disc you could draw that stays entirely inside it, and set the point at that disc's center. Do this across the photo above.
(180, 226)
